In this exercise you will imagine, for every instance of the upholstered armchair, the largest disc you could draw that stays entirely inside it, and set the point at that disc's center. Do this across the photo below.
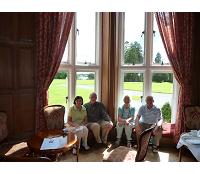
(54, 116)
(192, 122)
(192, 117)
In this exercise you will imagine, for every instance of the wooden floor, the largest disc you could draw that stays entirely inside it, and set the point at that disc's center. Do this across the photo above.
(165, 154)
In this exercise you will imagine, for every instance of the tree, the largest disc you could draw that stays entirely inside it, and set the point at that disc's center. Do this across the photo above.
(158, 58)
(61, 75)
(166, 112)
(133, 53)
(91, 76)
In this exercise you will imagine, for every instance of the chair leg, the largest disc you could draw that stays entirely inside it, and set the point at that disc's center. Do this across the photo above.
(180, 154)
(77, 150)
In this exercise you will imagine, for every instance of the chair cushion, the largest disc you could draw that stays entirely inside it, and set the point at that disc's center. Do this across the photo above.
(54, 116)
(168, 130)
(120, 154)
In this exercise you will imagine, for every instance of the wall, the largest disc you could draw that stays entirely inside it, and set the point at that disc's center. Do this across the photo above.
(196, 61)
(17, 72)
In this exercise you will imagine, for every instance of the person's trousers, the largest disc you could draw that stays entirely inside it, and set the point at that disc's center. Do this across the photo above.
(128, 131)
(82, 133)
(101, 127)
(156, 137)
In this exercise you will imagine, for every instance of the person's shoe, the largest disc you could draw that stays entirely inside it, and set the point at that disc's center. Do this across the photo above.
(99, 141)
(151, 141)
(86, 147)
(105, 144)
(135, 146)
(74, 151)
(129, 144)
(117, 142)
(155, 149)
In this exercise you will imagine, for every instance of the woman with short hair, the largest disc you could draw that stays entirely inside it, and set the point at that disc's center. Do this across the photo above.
(77, 116)
(125, 121)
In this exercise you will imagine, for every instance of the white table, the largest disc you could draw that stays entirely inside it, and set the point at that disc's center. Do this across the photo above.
(192, 142)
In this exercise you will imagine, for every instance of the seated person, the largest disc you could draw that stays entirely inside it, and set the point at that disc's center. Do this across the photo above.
(98, 120)
(125, 121)
(148, 116)
(77, 116)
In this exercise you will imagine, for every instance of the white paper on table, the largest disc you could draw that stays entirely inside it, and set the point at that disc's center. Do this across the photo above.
(53, 143)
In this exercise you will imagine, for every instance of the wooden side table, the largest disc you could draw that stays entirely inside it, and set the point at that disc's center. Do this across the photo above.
(35, 143)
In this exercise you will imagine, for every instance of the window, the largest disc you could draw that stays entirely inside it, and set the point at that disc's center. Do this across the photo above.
(162, 92)
(159, 53)
(85, 38)
(149, 71)
(85, 84)
(58, 90)
(133, 86)
(65, 55)
(133, 39)
(80, 61)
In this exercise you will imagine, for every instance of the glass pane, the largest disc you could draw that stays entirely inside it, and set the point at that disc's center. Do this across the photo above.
(85, 84)
(133, 86)
(162, 92)
(85, 36)
(159, 53)
(65, 55)
(134, 38)
(58, 90)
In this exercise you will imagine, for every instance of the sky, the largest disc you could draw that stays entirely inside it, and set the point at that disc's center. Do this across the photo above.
(134, 26)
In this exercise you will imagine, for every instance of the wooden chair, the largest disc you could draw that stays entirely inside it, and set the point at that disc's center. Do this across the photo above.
(192, 121)
(4, 158)
(54, 116)
(125, 154)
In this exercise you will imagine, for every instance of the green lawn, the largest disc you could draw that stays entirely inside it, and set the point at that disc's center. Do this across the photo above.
(165, 87)
(58, 89)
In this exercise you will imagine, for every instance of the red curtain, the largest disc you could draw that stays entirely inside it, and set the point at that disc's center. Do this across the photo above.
(176, 30)
(52, 31)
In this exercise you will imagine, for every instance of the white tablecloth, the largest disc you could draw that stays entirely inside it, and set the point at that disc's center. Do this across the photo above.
(192, 142)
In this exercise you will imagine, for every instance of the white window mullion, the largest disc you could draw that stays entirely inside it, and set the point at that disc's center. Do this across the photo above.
(148, 53)
(72, 52)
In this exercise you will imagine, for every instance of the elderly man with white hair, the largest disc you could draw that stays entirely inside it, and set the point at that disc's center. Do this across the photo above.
(98, 119)
(149, 115)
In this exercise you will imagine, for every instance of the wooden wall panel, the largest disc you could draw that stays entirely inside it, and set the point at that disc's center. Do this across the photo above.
(25, 72)
(6, 68)
(6, 26)
(17, 71)
(24, 113)
(6, 105)
(26, 27)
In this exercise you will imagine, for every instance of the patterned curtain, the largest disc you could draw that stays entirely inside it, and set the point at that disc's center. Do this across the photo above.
(52, 31)
(176, 30)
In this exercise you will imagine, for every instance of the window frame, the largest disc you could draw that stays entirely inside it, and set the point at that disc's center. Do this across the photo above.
(148, 68)
(72, 68)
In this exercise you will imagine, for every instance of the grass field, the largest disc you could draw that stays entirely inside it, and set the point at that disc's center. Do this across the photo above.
(58, 89)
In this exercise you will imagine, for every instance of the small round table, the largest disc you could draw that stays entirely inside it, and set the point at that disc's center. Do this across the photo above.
(36, 141)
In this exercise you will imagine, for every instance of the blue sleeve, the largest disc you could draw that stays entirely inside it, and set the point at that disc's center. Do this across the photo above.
(119, 112)
(132, 112)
